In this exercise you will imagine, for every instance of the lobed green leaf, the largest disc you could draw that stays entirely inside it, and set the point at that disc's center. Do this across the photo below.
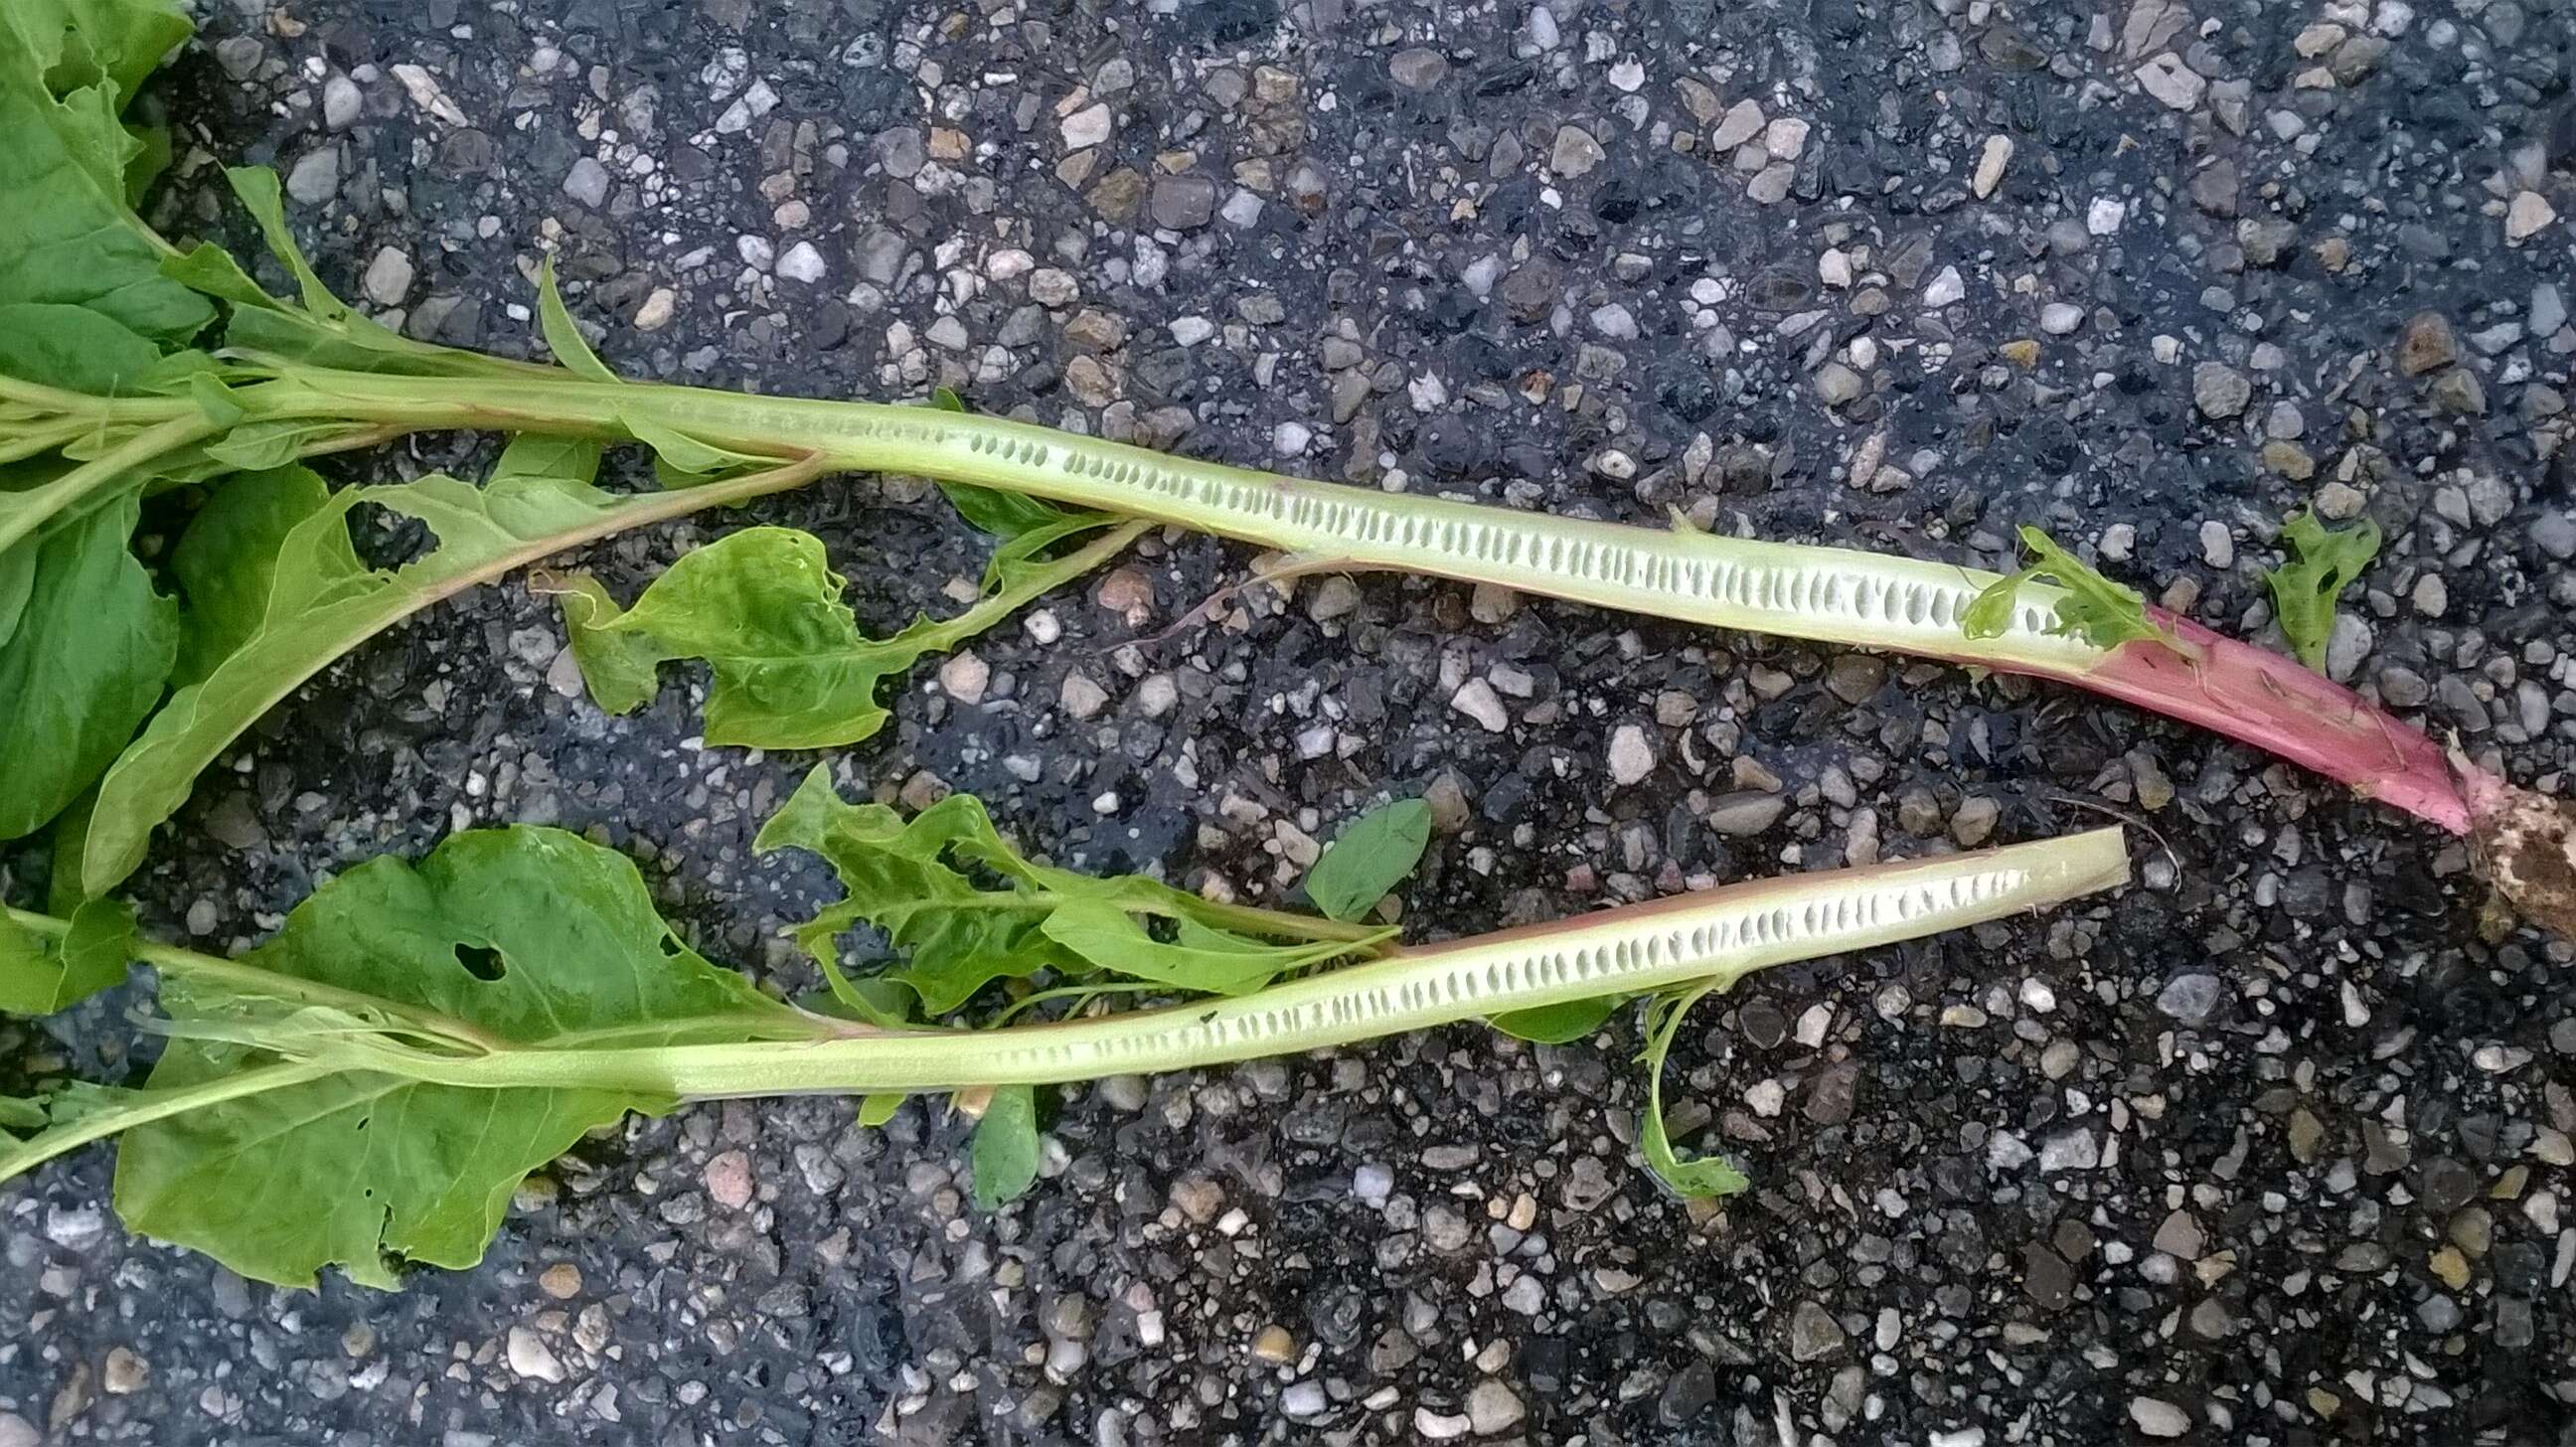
(2093, 608)
(763, 608)
(2323, 562)
(918, 882)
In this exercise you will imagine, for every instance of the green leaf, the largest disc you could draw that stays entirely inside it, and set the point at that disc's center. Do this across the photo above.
(1002, 514)
(990, 509)
(1369, 857)
(31, 977)
(1698, 1176)
(1006, 1146)
(256, 446)
(68, 239)
(226, 562)
(530, 454)
(17, 584)
(265, 199)
(322, 603)
(763, 608)
(527, 935)
(100, 943)
(63, 849)
(64, 345)
(1208, 962)
(619, 668)
(2095, 609)
(682, 459)
(40, 978)
(214, 399)
(87, 661)
(875, 1110)
(1557, 1024)
(84, 42)
(921, 882)
(2305, 589)
(563, 338)
(323, 330)
(210, 270)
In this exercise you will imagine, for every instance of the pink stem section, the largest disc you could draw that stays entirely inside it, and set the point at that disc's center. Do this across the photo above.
(2275, 703)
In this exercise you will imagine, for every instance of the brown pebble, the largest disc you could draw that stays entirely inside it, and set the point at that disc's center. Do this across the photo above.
(562, 1281)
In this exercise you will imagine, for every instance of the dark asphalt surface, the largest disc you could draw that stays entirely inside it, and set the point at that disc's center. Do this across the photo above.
(2272, 1149)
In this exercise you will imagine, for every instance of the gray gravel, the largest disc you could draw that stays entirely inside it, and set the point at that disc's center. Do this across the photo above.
(2272, 1149)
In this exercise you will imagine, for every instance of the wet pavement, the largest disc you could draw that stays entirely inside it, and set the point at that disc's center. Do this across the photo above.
(2273, 1148)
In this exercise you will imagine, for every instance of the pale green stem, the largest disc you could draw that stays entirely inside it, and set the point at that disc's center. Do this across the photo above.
(1827, 594)
(145, 1106)
(1720, 935)
(28, 509)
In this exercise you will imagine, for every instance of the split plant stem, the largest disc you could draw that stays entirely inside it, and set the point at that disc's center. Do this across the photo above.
(1828, 595)
(1716, 937)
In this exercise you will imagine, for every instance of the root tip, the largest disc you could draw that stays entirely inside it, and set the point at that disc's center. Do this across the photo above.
(2528, 841)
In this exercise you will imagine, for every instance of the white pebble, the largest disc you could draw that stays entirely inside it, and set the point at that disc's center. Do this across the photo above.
(802, 263)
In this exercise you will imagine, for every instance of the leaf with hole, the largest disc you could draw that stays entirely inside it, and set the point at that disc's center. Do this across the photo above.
(522, 935)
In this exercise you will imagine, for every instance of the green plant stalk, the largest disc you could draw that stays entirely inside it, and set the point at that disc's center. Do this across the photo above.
(26, 511)
(1716, 936)
(1828, 595)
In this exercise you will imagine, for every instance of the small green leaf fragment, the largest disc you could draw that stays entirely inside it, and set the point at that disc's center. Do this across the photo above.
(2324, 561)
(1006, 1146)
(617, 668)
(1112, 941)
(209, 269)
(1699, 1176)
(265, 199)
(99, 945)
(1557, 1024)
(38, 978)
(563, 337)
(1990, 613)
(214, 399)
(875, 1110)
(17, 585)
(683, 459)
(272, 442)
(991, 509)
(1002, 514)
(534, 454)
(1369, 857)
(2101, 612)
